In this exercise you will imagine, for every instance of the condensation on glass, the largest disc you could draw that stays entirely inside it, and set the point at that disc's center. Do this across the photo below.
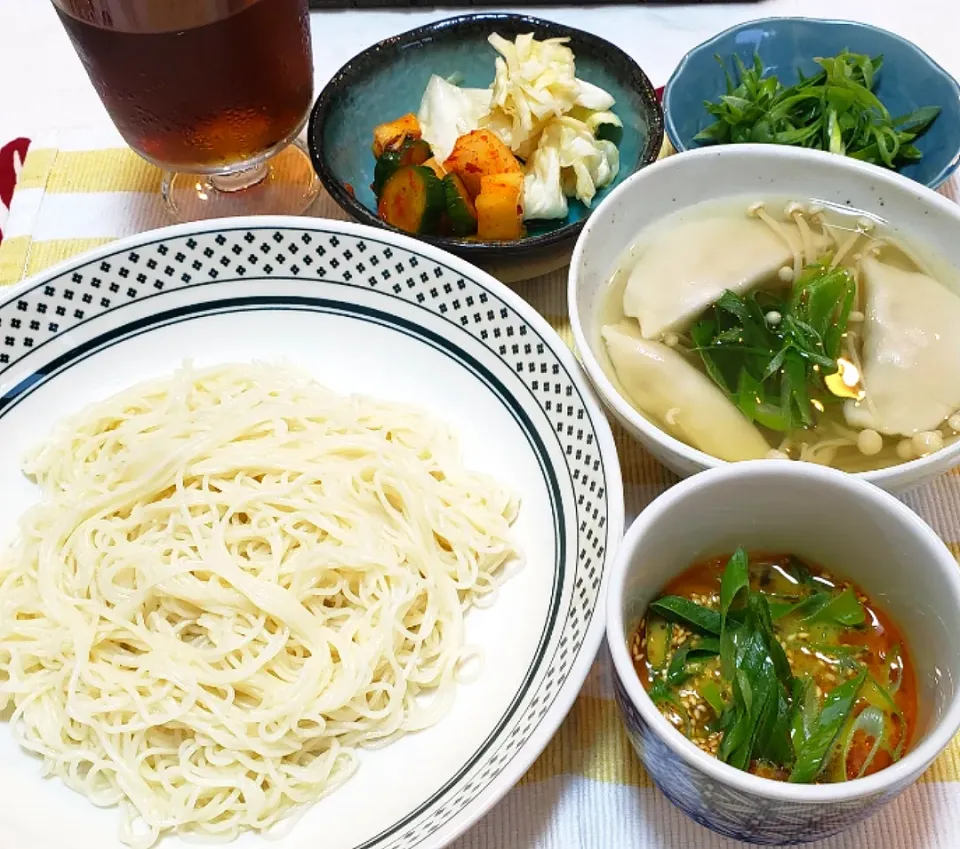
(206, 87)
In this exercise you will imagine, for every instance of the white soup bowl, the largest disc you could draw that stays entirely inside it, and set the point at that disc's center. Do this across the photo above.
(756, 172)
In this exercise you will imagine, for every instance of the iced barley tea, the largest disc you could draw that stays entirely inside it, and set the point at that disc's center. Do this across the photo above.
(197, 85)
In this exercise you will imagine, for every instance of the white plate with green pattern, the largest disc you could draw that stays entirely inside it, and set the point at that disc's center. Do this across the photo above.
(371, 312)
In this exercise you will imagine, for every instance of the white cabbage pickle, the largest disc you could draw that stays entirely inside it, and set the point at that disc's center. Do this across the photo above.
(448, 112)
(568, 162)
(548, 117)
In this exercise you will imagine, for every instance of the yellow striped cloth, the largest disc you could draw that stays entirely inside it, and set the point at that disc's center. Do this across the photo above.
(82, 190)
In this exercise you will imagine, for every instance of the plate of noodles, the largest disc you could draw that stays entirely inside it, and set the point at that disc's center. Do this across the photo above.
(305, 533)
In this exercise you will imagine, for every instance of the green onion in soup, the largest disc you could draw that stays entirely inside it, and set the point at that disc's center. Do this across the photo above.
(775, 667)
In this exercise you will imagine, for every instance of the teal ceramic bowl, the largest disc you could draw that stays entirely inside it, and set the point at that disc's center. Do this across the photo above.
(388, 80)
(908, 80)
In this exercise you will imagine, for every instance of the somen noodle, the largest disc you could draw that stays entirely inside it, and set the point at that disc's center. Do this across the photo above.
(233, 580)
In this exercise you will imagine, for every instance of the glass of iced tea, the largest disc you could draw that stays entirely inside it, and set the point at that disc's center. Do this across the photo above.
(214, 92)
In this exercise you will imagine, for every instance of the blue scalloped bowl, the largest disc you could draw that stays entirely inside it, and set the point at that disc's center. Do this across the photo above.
(909, 79)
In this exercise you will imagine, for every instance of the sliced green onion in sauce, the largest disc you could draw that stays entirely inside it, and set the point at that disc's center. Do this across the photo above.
(780, 662)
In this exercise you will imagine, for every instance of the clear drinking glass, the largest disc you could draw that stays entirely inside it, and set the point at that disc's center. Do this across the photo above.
(215, 92)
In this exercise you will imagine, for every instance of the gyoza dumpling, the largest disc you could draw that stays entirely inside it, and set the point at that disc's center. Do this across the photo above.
(688, 267)
(682, 400)
(911, 352)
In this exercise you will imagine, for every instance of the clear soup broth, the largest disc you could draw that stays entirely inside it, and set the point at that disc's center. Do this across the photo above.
(795, 347)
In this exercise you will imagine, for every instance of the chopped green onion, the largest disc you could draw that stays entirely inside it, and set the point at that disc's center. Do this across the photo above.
(842, 609)
(660, 694)
(837, 608)
(704, 647)
(895, 663)
(711, 692)
(677, 670)
(879, 697)
(693, 650)
(659, 635)
(805, 712)
(873, 723)
(753, 659)
(813, 752)
(769, 372)
(686, 612)
(735, 581)
(834, 110)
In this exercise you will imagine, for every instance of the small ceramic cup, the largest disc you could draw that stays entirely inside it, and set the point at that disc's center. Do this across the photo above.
(855, 530)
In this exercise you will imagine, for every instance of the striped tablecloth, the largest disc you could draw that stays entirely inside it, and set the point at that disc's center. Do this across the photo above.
(587, 791)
